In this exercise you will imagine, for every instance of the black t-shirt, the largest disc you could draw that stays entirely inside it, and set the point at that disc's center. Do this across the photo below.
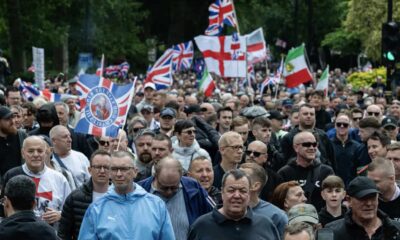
(392, 208)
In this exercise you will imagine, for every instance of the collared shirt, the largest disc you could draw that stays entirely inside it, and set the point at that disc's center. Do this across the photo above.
(396, 193)
(215, 225)
(177, 211)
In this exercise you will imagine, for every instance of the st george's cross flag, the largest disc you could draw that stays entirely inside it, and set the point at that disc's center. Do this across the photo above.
(182, 56)
(104, 105)
(223, 56)
(296, 70)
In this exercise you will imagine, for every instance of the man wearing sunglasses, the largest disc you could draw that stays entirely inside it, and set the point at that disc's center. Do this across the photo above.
(257, 153)
(374, 110)
(306, 168)
(186, 200)
(345, 149)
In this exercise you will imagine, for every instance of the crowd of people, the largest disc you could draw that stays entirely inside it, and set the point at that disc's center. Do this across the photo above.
(282, 164)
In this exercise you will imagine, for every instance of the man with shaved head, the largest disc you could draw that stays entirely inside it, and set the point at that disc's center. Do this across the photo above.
(75, 162)
(186, 200)
(52, 187)
(257, 153)
(306, 168)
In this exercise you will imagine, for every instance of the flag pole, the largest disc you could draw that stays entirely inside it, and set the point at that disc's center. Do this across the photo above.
(237, 19)
(308, 63)
(102, 66)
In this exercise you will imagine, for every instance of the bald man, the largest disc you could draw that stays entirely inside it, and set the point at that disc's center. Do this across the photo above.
(306, 168)
(257, 153)
(186, 200)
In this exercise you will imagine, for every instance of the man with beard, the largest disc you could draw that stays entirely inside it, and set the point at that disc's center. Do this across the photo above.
(306, 168)
(325, 148)
(144, 160)
(10, 141)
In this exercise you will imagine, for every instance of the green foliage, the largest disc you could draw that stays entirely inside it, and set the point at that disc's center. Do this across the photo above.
(347, 43)
(365, 79)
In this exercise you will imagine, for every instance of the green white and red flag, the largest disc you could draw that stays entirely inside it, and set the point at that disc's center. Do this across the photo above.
(296, 70)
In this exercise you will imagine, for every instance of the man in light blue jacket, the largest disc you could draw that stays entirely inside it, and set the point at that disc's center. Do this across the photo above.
(127, 211)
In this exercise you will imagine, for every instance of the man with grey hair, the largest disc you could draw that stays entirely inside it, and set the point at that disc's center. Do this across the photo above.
(185, 198)
(299, 231)
(52, 187)
(73, 114)
(76, 162)
(62, 112)
(231, 148)
(126, 209)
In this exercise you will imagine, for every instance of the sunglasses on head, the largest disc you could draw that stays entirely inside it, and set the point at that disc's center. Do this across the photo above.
(376, 114)
(255, 154)
(342, 124)
(309, 144)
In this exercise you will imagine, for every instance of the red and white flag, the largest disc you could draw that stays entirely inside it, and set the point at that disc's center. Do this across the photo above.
(222, 54)
(256, 48)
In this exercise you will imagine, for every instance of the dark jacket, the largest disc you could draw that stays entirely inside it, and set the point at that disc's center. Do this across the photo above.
(346, 157)
(325, 217)
(10, 151)
(310, 179)
(347, 229)
(324, 146)
(74, 210)
(206, 136)
(322, 118)
(24, 225)
(195, 197)
(46, 113)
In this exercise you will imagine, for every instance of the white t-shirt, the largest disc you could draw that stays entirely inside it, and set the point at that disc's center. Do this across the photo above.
(52, 189)
(97, 195)
(77, 163)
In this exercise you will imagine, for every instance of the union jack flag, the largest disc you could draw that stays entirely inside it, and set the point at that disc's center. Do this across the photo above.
(28, 91)
(104, 105)
(182, 56)
(161, 73)
(120, 70)
(251, 76)
(221, 12)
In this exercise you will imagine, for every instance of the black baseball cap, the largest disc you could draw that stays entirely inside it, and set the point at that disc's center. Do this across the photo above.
(389, 121)
(275, 114)
(168, 112)
(5, 112)
(361, 187)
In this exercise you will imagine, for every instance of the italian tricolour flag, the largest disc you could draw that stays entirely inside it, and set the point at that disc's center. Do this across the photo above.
(296, 70)
(323, 81)
(206, 84)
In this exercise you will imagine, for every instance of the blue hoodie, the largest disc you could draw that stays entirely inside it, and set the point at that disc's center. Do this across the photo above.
(136, 215)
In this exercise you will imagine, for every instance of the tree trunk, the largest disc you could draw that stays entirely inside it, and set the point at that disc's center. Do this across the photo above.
(17, 44)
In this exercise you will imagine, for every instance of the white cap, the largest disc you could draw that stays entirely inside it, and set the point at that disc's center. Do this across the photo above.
(150, 85)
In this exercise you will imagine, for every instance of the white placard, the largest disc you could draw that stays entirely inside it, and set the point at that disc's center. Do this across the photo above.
(38, 63)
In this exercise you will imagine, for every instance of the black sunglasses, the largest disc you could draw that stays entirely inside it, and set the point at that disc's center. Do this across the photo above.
(102, 143)
(357, 119)
(255, 154)
(309, 144)
(342, 124)
(135, 130)
(376, 114)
